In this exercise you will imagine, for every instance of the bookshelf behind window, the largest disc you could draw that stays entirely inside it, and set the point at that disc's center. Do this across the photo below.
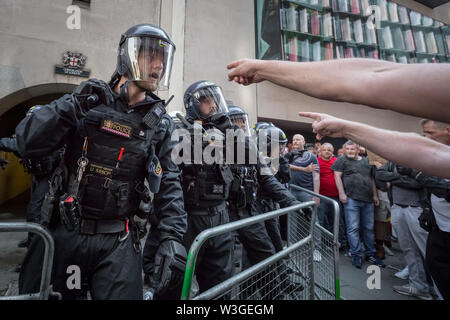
(314, 30)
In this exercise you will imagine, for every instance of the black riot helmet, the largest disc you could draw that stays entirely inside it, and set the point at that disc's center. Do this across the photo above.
(267, 134)
(239, 118)
(145, 54)
(204, 99)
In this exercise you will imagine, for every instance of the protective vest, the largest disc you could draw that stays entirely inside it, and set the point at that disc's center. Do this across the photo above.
(117, 146)
(244, 187)
(204, 185)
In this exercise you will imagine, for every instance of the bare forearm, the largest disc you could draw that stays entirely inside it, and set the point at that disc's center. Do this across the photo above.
(296, 168)
(379, 84)
(407, 149)
(339, 185)
(316, 182)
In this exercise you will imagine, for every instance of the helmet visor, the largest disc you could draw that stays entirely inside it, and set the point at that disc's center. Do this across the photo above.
(209, 101)
(241, 120)
(148, 59)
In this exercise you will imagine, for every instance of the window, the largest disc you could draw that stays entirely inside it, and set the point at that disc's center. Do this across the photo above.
(314, 30)
(82, 3)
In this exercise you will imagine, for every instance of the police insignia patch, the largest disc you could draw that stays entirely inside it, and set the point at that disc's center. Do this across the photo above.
(116, 128)
(158, 169)
(100, 170)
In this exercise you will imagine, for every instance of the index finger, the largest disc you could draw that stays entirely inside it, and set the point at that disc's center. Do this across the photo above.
(313, 115)
(233, 64)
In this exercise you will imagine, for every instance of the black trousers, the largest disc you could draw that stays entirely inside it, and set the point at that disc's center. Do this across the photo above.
(109, 268)
(438, 260)
(273, 225)
(254, 238)
(215, 260)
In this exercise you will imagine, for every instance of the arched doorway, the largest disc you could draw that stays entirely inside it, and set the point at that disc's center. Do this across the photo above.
(14, 181)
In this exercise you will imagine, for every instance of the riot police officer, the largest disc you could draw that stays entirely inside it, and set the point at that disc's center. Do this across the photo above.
(40, 170)
(206, 186)
(117, 135)
(242, 201)
(282, 173)
(249, 181)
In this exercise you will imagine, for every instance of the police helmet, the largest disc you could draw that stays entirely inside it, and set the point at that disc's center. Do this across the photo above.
(139, 47)
(204, 99)
(239, 118)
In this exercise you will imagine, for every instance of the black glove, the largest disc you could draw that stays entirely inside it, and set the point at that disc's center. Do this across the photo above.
(93, 92)
(3, 163)
(425, 219)
(407, 171)
(168, 273)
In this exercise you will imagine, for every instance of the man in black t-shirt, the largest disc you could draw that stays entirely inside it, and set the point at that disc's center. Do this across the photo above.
(357, 191)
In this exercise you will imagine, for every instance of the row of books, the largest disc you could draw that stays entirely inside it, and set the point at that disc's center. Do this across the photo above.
(418, 19)
(396, 38)
(429, 42)
(351, 6)
(356, 31)
(306, 21)
(343, 51)
(390, 11)
(306, 50)
(319, 3)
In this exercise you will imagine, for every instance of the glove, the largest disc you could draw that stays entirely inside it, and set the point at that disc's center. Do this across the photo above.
(407, 171)
(168, 273)
(425, 219)
(3, 163)
(93, 92)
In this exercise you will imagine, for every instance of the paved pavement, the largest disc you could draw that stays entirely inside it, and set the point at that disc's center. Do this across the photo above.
(353, 281)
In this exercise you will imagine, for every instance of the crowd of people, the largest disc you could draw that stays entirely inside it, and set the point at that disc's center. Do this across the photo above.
(113, 160)
(413, 183)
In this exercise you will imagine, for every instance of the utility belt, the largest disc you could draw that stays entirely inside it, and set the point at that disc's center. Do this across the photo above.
(92, 227)
(42, 166)
(210, 211)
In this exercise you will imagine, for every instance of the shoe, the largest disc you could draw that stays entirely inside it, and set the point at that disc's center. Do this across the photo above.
(388, 251)
(404, 274)
(408, 290)
(388, 243)
(317, 256)
(375, 260)
(357, 261)
(381, 254)
(24, 243)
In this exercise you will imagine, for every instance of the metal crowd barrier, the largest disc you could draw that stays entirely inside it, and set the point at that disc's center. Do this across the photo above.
(287, 275)
(326, 247)
(45, 287)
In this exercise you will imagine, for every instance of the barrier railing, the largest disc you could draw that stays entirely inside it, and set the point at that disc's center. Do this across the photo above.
(45, 287)
(287, 275)
(326, 246)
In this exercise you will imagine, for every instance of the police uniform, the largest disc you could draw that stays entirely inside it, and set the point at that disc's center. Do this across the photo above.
(111, 149)
(267, 204)
(40, 170)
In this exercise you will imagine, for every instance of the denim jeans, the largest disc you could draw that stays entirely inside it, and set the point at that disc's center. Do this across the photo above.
(325, 215)
(356, 211)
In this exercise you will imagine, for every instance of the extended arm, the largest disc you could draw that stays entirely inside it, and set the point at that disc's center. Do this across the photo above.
(427, 155)
(416, 89)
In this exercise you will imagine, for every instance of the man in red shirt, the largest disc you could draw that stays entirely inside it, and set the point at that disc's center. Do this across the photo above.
(328, 188)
